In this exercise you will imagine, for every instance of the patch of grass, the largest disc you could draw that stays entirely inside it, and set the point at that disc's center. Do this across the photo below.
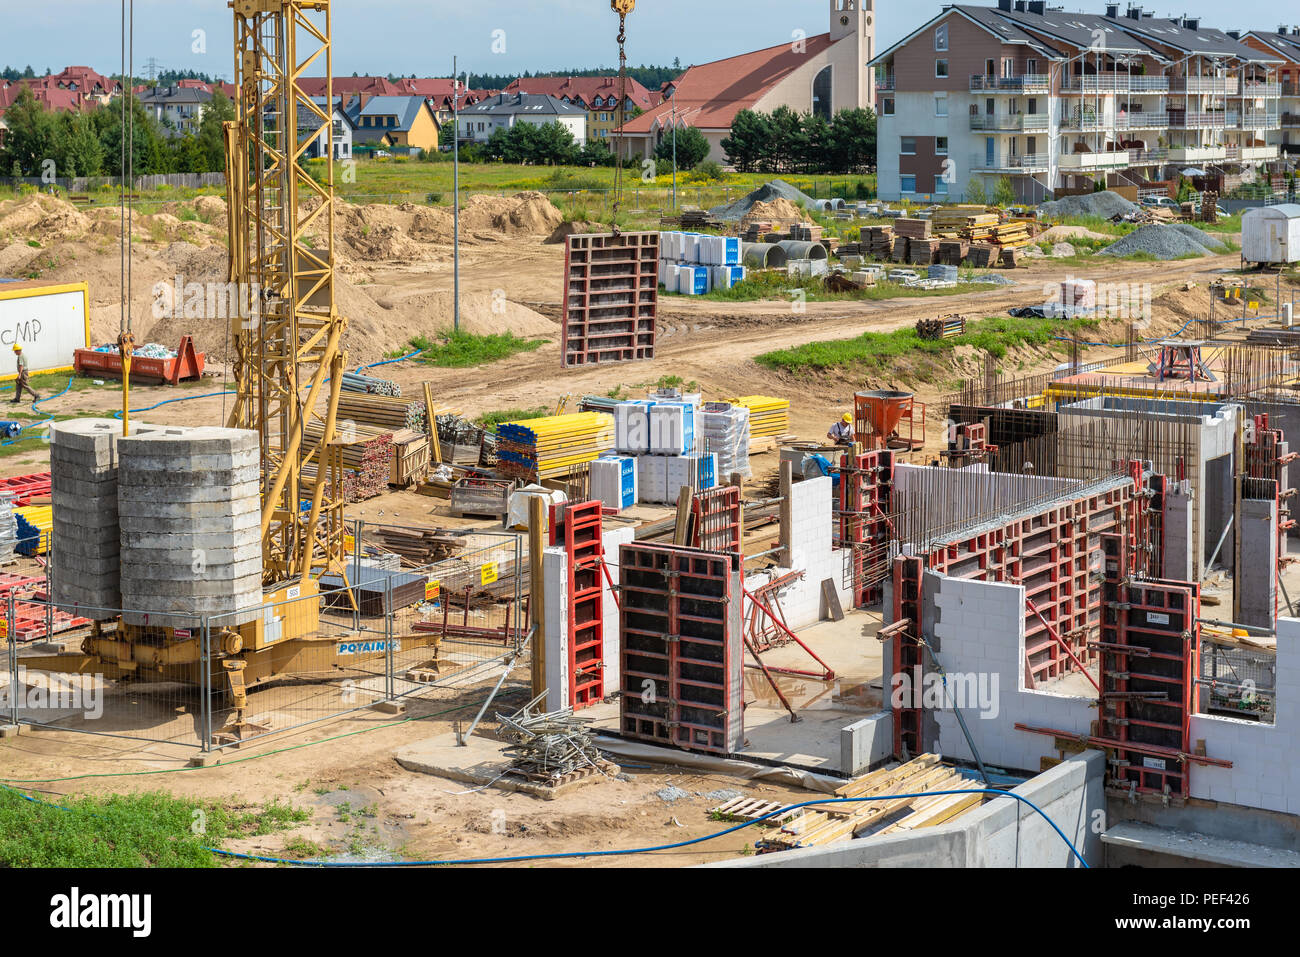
(128, 830)
(459, 350)
(302, 849)
(876, 351)
(490, 420)
(770, 284)
(676, 382)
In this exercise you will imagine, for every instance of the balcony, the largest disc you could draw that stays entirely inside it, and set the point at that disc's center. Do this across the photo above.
(1197, 154)
(1291, 88)
(1087, 161)
(1027, 83)
(1290, 121)
(1147, 157)
(1180, 120)
(1249, 154)
(1009, 122)
(1221, 85)
(1086, 122)
(1024, 163)
(1114, 83)
(1254, 121)
(1140, 120)
(886, 83)
(1253, 88)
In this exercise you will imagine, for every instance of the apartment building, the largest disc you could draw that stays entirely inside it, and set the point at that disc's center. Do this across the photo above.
(505, 110)
(598, 95)
(1055, 100)
(179, 109)
(1284, 42)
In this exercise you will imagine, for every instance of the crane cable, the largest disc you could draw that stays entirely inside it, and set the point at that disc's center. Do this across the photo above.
(125, 340)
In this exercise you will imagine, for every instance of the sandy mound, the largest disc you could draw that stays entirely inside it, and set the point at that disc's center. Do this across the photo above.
(43, 218)
(576, 228)
(779, 212)
(523, 214)
(1065, 233)
(211, 209)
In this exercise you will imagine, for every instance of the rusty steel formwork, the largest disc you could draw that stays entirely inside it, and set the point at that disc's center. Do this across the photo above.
(716, 519)
(866, 528)
(611, 298)
(680, 618)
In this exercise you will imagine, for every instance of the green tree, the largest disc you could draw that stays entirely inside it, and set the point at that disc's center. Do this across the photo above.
(787, 141)
(976, 192)
(852, 141)
(32, 136)
(79, 151)
(1004, 194)
(814, 144)
(749, 142)
(692, 148)
(596, 152)
(211, 138)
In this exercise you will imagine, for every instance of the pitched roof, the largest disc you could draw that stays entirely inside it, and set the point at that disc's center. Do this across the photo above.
(583, 90)
(1287, 45)
(1203, 41)
(405, 108)
(1079, 30)
(48, 95)
(710, 95)
(175, 94)
(532, 103)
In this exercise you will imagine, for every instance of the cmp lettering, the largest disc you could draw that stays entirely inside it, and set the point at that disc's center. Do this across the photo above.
(76, 910)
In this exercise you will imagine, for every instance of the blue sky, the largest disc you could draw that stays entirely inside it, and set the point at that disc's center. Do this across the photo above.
(420, 36)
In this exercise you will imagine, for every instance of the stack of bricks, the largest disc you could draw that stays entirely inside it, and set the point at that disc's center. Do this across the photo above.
(899, 253)
(922, 252)
(913, 228)
(85, 536)
(190, 510)
(878, 241)
(807, 232)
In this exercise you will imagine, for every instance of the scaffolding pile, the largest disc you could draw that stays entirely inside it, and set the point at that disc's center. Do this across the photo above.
(768, 415)
(550, 746)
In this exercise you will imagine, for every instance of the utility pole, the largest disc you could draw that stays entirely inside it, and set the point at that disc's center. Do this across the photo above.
(455, 197)
(674, 149)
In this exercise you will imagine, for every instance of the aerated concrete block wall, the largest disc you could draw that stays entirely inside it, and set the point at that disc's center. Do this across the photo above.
(979, 639)
(1178, 564)
(812, 552)
(1259, 544)
(1208, 467)
(613, 650)
(1264, 772)
(555, 580)
(189, 508)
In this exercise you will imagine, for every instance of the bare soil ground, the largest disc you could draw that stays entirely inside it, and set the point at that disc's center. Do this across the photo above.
(396, 271)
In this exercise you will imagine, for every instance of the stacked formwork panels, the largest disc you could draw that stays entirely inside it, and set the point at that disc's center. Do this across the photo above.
(866, 481)
(611, 297)
(680, 618)
(716, 516)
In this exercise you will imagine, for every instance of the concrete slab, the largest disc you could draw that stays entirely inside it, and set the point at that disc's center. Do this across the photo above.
(1191, 847)
(480, 763)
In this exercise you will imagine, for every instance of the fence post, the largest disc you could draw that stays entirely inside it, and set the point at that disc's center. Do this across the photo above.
(50, 558)
(11, 646)
(357, 525)
(205, 685)
(519, 592)
(390, 659)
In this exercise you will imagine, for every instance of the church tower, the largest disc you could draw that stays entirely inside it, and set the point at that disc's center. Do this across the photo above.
(853, 25)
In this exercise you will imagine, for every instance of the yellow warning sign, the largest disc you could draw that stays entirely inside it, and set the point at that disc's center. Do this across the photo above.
(431, 589)
(488, 573)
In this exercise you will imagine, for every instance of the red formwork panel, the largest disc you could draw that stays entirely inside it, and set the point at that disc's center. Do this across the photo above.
(866, 483)
(681, 631)
(717, 519)
(579, 528)
(1150, 661)
(611, 298)
(908, 659)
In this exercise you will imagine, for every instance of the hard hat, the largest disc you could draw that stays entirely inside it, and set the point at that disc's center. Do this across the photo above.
(848, 417)
(18, 347)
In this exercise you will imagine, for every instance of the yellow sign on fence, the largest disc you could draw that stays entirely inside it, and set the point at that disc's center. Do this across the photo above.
(431, 589)
(488, 573)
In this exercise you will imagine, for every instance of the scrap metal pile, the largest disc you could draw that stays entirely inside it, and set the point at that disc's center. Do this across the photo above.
(551, 746)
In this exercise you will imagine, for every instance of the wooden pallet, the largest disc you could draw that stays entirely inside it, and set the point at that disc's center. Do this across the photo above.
(751, 809)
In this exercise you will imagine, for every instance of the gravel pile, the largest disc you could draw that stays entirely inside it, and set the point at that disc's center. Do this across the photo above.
(1208, 240)
(769, 191)
(1163, 242)
(1106, 205)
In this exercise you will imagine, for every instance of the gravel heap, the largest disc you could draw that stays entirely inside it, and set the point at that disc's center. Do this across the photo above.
(1165, 242)
(1106, 205)
(768, 192)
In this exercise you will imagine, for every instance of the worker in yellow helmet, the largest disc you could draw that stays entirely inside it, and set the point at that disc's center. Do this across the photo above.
(841, 433)
(23, 373)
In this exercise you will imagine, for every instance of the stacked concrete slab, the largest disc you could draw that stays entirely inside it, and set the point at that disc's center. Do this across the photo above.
(85, 536)
(190, 518)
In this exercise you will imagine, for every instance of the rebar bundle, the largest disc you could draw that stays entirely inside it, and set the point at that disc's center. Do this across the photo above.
(548, 744)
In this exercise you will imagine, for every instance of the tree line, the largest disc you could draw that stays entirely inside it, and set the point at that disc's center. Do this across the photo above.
(90, 143)
(784, 141)
(550, 144)
(651, 77)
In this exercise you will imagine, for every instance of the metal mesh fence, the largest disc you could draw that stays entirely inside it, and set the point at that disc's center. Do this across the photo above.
(1240, 682)
(379, 632)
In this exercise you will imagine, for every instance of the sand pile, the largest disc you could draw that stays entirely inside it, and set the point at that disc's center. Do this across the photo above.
(1058, 234)
(767, 193)
(778, 212)
(42, 218)
(524, 214)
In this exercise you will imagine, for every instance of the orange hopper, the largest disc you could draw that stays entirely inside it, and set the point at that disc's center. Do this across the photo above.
(876, 416)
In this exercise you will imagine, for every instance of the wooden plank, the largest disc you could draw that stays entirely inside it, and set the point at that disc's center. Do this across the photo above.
(435, 447)
(831, 600)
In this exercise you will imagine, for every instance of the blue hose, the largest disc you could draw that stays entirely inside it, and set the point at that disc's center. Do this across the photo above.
(384, 362)
(183, 398)
(517, 858)
(43, 422)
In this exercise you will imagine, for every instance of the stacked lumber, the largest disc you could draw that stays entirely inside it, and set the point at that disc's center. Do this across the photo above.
(842, 822)
(756, 230)
(953, 252)
(1012, 235)
(693, 218)
(944, 327)
(922, 252)
(389, 412)
(416, 546)
(853, 249)
(1009, 257)
(878, 241)
(913, 228)
(367, 459)
(768, 415)
(550, 446)
(958, 220)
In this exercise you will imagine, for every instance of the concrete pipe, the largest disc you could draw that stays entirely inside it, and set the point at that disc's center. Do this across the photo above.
(797, 249)
(763, 255)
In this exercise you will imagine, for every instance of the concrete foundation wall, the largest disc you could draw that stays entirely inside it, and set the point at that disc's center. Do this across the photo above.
(1001, 833)
(1178, 562)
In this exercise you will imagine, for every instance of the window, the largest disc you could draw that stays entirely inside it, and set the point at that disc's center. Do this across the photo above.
(940, 69)
(941, 38)
(941, 106)
(821, 94)
(887, 107)
(908, 146)
(941, 146)
(940, 185)
(1031, 67)
(909, 184)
